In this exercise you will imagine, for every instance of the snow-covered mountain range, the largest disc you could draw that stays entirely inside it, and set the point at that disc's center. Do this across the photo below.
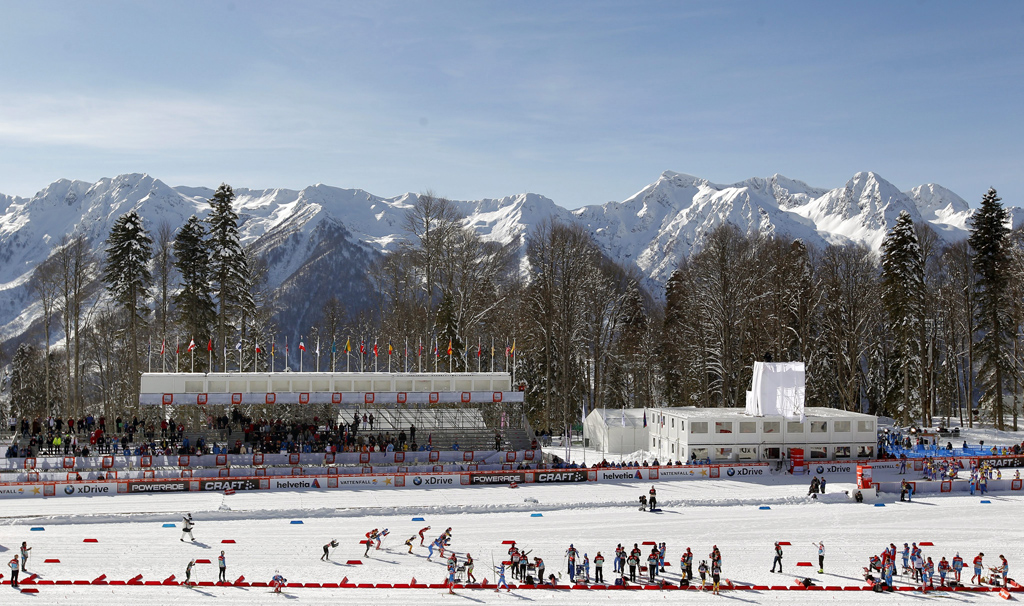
(319, 240)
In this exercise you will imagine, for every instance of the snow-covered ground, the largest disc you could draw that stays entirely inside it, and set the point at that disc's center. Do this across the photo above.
(132, 540)
(595, 517)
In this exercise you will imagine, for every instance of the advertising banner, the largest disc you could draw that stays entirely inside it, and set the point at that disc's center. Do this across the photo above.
(431, 481)
(572, 475)
(151, 486)
(497, 478)
(220, 485)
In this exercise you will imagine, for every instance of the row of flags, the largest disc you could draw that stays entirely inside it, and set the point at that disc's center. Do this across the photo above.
(376, 349)
(509, 350)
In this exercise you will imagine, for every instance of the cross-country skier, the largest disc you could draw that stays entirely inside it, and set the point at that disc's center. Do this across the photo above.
(514, 557)
(958, 566)
(778, 557)
(702, 570)
(1003, 569)
(821, 557)
(619, 558)
(409, 541)
(500, 569)
(14, 572)
(571, 554)
(327, 550)
(539, 565)
(905, 554)
(586, 568)
(469, 568)
(430, 548)
(222, 563)
(977, 568)
(187, 526)
(662, 549)
(716, 576)
(599, 568)
(381, 535)
(929, 570)
(652, 565)
(370, 538)
(423, 530)
(653, 499)
(451, 576)
(943, 571)
(188, 572)
(278, 582)
(24, 554)
(687, 563)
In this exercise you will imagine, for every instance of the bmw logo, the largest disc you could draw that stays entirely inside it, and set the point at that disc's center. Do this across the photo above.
(730, 472)
(417, 481)
(69, 490)
(821, 469)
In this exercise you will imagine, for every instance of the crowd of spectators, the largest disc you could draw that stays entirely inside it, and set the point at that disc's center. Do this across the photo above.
(236, 433)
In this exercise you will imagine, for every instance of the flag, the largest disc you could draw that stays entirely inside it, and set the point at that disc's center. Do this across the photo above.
(623, 417)
(334, 347)
(209, 344)
(273, 347)
(302, 345)
(390, 351)
(449, 347)
(513, 347)
(375, 350)
(162, 343)
(436, 353)
(348, 345)
(318, 346)
(479, 350)
(419, 352)
(362, 347)
(584, 417)
(191, 345)
(257, 346)
(645, 417)
(238, 346)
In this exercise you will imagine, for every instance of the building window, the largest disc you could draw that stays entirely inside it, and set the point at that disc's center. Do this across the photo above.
(865, 452)
(772, 453)
(699, 454)
(654, 442)
(699, 427)
(819, 426)
(865, 426)
(842, 452)
(794, 427)
(747, 453)
(723, 454)
(819, 452)
(841, 427)
(748, 426)
(723, 426)
(771, 427)
(672, 423)
(672, 448)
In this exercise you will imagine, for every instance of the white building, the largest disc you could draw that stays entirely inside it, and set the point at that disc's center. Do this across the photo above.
(616, 430)
(730, 434)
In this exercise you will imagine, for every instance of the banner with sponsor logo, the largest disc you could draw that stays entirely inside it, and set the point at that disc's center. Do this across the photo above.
(219, 485)
(78, 489)
(429, 481)
(172, 486)
(497, 478)
(572, 475)
(621, 475)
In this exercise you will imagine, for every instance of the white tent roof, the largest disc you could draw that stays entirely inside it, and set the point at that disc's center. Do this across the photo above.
(613, 417)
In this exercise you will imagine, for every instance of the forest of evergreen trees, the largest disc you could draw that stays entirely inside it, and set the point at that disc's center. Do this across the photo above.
(917, 331)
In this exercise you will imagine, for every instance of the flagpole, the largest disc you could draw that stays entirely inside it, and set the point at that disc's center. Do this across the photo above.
(209, 353)
(273, 351)
(513, 362)
(318, 352)
(492, 354)
(149, 354)
(177, 348)
(163, 356)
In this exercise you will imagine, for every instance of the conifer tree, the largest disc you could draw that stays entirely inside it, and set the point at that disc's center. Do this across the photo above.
(127, 275)
(229, 270)
(903, 299)
(989, 240)
(192, 260)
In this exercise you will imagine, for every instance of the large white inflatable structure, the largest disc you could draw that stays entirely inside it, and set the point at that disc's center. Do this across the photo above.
(777, 389)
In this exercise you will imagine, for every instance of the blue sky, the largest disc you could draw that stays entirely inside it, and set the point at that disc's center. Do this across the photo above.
(583, 102)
